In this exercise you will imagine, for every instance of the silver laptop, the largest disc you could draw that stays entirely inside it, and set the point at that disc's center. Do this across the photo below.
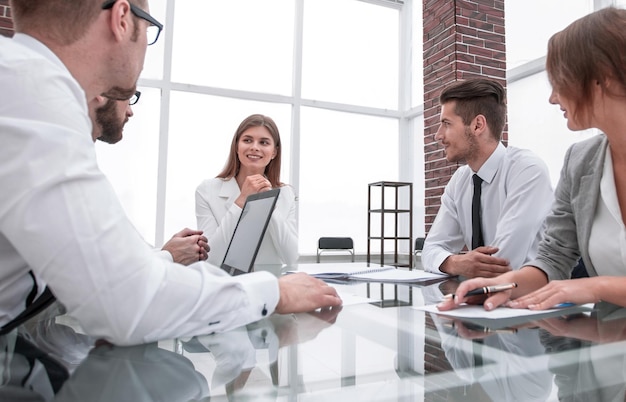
(248, 235)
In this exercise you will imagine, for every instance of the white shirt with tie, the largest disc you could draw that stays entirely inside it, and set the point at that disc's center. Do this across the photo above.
(516, 197)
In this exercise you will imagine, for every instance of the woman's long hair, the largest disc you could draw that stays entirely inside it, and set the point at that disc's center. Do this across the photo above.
(272, 170)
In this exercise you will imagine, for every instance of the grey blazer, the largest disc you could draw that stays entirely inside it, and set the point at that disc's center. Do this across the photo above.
(568, 226)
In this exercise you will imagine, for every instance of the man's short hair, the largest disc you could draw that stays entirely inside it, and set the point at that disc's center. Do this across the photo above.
(478, 96)
(62, 21)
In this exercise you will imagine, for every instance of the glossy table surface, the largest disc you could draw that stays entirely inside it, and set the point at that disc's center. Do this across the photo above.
(378, 350)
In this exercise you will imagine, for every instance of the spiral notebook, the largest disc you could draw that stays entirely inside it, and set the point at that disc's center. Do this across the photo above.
(367, 273)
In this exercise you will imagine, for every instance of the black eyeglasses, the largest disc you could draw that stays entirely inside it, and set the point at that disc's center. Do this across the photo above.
(155, 27)
(135, 98)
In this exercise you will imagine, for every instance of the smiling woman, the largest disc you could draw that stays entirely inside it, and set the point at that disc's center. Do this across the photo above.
(253, 166)
(269, 57)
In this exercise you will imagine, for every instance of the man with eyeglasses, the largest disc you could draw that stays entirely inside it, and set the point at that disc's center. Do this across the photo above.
(62, 227)
(109, 117)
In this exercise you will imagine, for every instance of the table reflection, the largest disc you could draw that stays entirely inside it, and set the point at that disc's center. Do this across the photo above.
(587, 354)
(359, 352)
(135, 373)
(235, 352)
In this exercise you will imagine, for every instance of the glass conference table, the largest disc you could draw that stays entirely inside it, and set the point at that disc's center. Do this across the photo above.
(378, 347)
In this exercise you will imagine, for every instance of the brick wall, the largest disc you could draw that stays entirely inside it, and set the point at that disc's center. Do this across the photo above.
(6, 24)
(462, 39)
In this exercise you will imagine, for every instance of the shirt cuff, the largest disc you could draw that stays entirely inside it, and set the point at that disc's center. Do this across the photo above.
(164, 254)
(433, 262)
(262, 290)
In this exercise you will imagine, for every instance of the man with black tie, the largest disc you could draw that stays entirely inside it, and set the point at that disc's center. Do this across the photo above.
(495, 205)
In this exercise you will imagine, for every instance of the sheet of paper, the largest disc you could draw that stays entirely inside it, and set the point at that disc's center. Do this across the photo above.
(367, 272)
(474, 311)
(399, 275)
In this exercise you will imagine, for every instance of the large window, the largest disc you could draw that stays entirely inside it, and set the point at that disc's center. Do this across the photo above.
(327, 71)
(244, 45)
(530, 23)
(350, 53)
(201, 130)
(534, 123)
(343, 80)
(337, 163)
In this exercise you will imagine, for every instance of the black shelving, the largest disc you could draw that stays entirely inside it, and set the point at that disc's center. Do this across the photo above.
(381, 210)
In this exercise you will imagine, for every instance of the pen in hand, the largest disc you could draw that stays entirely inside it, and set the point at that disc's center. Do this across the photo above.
(484, 290)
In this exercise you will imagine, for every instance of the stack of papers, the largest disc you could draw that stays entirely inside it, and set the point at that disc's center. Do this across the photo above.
(367, 273)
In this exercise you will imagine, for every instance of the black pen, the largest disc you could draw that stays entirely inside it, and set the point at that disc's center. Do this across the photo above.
(484, 290)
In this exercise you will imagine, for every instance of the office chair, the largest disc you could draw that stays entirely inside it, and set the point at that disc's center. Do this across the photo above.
(335, 244)
(419, 246)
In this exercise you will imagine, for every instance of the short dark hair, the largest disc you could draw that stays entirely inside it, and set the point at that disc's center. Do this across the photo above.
(588, 52)
(478, 96)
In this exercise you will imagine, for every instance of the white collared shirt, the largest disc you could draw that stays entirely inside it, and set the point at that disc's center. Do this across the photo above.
(217, 215)
(516, 197)
(60, 218)
(607, 242)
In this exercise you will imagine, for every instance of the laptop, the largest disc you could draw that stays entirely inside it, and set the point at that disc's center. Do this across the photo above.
(248, 235)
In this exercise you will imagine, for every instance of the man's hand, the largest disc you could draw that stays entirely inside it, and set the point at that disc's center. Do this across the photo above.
(301, 293)
(187, 246)
(478, 262)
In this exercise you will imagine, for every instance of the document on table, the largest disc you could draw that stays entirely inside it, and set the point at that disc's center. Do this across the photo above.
(367, 273)
(479, 312)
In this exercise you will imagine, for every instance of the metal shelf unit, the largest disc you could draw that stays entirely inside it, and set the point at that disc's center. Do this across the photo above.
(381, 210)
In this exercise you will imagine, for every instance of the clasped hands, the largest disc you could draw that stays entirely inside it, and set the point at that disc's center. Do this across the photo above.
(256, 183)
(188, 246)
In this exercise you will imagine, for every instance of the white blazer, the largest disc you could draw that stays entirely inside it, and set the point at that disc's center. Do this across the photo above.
(217, 215)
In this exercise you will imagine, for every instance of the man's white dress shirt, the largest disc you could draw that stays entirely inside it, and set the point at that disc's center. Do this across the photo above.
(217, 215)
(60, 218)
(516, 197)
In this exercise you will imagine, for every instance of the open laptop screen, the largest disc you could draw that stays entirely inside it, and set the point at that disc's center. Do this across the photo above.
(248, 235)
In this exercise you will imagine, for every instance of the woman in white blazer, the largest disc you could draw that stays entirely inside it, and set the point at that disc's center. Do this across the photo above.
(253, 166)
(586, 65)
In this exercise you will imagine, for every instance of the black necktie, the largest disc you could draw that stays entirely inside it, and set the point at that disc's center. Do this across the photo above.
(477, 230)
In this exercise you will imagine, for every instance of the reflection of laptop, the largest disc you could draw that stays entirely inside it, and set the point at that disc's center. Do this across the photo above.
(248, 235)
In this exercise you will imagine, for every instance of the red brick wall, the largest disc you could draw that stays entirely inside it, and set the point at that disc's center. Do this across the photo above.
(462, 39)
(6, 24)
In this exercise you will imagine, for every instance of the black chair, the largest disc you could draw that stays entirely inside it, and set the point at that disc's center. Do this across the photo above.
(335, 244)
(419, 246)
